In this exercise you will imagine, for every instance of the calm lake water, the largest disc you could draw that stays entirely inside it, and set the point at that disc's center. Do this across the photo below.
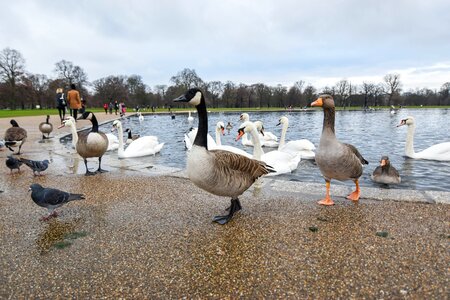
(374, 133)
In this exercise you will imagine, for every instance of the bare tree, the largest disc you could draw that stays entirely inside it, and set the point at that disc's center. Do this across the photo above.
(444, 94)
(70, 73)
(229, 94)
(309, 93)
(12, 67)
(343, 90)
(367, 89)
(187, 79)
(215, 88)
(392, 85)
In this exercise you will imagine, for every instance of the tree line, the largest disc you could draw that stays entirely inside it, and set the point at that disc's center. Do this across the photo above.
(20, 89)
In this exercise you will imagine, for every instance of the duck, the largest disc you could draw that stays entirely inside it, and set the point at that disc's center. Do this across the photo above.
(46, 128)
(303, 146)
(385, 172)
(15, 136)
(131, 137)
(336, 160)
(190, 118)
(218, 172)
(91, 144)
(439, 152)
(220, 128)
(281, 162)
(143, 146)
(140, 117)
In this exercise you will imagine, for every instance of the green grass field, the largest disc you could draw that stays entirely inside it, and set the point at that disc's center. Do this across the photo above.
(42, 112)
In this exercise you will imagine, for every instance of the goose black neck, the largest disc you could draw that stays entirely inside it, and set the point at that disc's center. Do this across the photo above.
(202, 132)
(94, 124)
(328, 119)
(129, 134)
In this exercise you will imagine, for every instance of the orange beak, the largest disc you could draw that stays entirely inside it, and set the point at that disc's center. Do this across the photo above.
(318, 102)
(223, 130)
(61, 126)
(240, 134)
(383, 162)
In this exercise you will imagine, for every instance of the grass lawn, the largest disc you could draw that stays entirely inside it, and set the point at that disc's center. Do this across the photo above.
(42, 112)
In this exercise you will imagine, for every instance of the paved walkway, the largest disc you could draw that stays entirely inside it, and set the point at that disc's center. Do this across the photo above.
(142, 235)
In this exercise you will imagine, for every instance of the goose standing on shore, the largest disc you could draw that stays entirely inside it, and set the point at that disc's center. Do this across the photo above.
(336, 160)
(436, 152)
(15, 136)
(385, 172)
(218, 172)
(46, 128)
(92, 144)
(303, 146)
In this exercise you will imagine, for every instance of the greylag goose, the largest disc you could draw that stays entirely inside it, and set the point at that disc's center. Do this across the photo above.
(218, 172)
(386, 173)
(436, 152)
(336, 160)
(46, 128)
(92, 144)
(15, 136)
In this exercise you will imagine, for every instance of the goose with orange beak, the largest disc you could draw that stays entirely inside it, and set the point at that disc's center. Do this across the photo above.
(335, 159)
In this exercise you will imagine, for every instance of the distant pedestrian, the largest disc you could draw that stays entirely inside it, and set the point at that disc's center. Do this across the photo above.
(83, 106)
(74, 100)
(116, 106)
(110, 107)
(105, 107)
(61, 103)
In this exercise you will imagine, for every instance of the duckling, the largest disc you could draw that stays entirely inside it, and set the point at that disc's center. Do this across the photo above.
(386, 173)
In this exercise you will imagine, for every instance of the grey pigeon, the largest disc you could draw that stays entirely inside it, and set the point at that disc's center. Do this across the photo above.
(35, 165)
(51, 198)
(13, 163)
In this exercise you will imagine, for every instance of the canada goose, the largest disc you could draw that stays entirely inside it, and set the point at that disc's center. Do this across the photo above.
(436, 152)
(386, 173)
(46, 128)
(15, 136)
(336, 160)
(131, 137)
(281, 162)
(304, 147)
(218, 172)
(143, 146)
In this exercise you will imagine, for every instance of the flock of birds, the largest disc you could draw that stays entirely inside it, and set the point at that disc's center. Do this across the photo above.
(224, 170)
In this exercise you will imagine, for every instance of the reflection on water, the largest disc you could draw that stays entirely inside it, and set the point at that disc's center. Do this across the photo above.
(374, 133)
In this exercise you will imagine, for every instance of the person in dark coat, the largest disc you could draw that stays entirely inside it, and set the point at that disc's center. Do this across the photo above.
(61, 103)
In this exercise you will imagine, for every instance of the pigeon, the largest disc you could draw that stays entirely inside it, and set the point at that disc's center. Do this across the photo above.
(51, 198)
(13, 163)
(35, 165)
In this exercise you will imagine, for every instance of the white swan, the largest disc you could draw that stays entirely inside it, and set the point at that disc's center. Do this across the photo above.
(190, 118)
(143, 146)
(267, 139)
(113, 142)
(244, 117)
(436, 152)
(190, 137)
(220, 128)
(303, 146)
(282, 162)
(140, 117)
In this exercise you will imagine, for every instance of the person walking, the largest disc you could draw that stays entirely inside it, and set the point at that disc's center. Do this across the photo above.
(105, 107)
(116, 106)
(61, 103)
(74, 100)
(110, 106)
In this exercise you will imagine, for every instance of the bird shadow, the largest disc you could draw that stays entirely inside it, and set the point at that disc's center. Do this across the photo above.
(58, 234)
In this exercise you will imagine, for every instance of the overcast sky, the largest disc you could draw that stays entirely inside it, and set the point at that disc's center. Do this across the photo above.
(248, 41)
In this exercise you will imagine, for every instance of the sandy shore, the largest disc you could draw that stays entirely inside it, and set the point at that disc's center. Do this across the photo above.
(138, 236)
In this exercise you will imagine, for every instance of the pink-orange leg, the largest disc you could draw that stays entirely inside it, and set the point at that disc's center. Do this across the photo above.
(354, 196)
(327, 200)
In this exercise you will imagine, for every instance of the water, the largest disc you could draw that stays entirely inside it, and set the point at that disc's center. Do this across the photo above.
(374, 133)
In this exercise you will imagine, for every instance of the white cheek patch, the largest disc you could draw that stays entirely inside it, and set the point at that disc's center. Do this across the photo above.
(196, 99)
